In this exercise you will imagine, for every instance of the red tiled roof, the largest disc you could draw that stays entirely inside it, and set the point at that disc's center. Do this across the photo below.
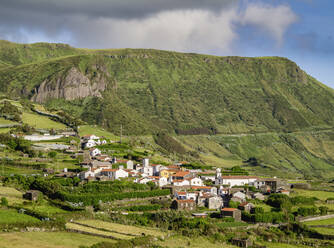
(181, 173)
(229, 209)
(243, 204)
(201, 187)
(181, 193)
(189, 200)
(111, 170)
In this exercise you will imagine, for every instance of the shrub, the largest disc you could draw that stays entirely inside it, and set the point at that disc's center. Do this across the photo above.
(306, 211)
(4, 202)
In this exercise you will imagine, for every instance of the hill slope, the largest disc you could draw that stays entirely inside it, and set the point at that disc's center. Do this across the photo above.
(149, 90)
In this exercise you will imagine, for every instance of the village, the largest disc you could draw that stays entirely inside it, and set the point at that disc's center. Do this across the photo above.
(191, 188)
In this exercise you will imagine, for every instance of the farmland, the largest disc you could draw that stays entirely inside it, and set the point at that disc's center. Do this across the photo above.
(320, 222)
(125, 229)
(47, 240)
(42, 122)
(13, 217)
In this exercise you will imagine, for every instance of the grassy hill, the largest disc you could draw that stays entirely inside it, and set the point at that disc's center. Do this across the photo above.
(149, 91)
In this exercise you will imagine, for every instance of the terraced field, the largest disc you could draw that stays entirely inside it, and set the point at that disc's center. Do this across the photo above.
(47, 240)
(96, 231)
(320, 222)
(122, 229)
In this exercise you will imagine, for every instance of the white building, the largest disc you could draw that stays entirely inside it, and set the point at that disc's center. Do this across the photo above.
(195, 181)
(235, 180)
(114, 174)
(94, 152)
(89, 144)
(182, 182)
(240, 195)
(90, 137)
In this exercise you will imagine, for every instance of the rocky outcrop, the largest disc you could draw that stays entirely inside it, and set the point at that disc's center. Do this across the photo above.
(75, 85)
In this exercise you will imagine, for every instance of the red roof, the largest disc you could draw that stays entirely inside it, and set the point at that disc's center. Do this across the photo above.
(243, 204)
(181, 193)
(229, 209)
(181, 173)
(111, 170)
(201, 187)
(189, 200)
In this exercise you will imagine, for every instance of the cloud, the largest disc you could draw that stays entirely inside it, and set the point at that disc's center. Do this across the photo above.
(181, 25)
(273, 19)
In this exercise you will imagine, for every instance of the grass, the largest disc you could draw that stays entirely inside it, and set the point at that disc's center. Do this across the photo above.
(6, 122)
(178, 241)
(126, 229)
(96, 231)
(324, 230)
(320, 222)
(281, 245)
(47, 240)
(9, 216)
(98, 131)
(42, 122)
(13, 196)
(321, 195)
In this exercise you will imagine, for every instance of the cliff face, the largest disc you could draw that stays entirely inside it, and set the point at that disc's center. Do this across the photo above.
(74, 86)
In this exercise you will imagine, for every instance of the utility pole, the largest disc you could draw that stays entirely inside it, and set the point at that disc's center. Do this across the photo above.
(120, 141)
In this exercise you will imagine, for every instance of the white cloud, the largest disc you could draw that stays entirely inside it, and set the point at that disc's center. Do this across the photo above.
(200, 29)
(182, 30)
(273, 19)
(190, 30)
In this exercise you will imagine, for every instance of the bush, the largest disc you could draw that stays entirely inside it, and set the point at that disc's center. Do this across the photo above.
(306, 211)
(4, 202)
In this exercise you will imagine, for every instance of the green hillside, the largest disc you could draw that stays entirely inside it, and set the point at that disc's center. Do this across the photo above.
(150, 91)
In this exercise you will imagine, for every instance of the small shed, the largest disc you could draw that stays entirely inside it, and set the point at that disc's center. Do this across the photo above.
(231, 212)
(32, 195)
(245, 242)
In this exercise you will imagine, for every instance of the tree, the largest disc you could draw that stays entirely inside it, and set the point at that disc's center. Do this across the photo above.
(4, 202)
(52, 154)
(323, 210)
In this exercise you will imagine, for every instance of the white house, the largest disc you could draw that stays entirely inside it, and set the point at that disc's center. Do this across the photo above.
(206, 189)
(240, 195)
(147, 170)
(235, 180)
(89, 144)
(114, 174)
(94, 152)
(162, 181)
(195, 181)
(92, 172)
(91, 137)
(182, 182)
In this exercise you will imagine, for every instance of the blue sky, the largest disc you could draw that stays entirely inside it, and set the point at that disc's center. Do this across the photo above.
(301, 30)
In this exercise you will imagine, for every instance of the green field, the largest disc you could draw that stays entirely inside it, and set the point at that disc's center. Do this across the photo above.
(6, 122)
(13, 217)
(125, 229)
(87, 129)
(47, 240)
(39, 121)
(321, 195)
(92, 230)
(320, 222)
(324, 230)
(13, 196)
(179, 241)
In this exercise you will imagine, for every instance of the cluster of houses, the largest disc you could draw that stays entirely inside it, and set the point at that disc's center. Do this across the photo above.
(188, 186)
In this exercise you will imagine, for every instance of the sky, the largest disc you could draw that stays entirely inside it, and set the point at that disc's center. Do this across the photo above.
(301, 30)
